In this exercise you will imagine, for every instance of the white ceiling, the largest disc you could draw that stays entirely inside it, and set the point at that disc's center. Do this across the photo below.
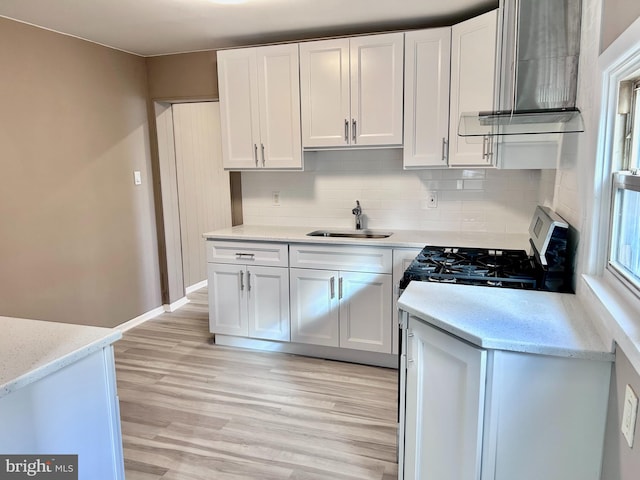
(156, 27)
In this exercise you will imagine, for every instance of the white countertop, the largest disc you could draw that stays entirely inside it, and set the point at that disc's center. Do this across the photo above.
(508, 319)
(400, 238)
(33, 349)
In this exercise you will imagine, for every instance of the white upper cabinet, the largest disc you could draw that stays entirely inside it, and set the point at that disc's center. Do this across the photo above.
(260, 107)
(324, 91)
(473, 61)
(351, 91)
(426, 97)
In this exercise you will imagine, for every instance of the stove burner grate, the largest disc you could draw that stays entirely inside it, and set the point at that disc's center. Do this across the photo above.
(473, 266)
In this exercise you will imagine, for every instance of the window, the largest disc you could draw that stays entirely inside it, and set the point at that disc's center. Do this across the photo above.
(624, 255)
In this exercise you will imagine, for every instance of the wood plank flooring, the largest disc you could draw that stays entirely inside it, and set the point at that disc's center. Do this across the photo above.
(192, 410)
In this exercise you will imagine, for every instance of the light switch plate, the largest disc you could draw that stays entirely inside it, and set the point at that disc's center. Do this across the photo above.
(629, 413)
(137, 177)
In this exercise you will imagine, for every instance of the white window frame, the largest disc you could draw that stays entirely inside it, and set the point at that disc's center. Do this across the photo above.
(622, 178)
(619, 63)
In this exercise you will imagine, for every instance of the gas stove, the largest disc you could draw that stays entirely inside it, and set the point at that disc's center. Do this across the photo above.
(472, 266)
(548, 268)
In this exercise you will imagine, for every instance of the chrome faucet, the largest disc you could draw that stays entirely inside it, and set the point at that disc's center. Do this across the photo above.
(358, 213)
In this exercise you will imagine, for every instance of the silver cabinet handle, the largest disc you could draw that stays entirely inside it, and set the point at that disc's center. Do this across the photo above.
(353, 129)
(340, 287)
(248, 281)
(485, 152)
(346, 131)
(241, 280)
(263, 159)
(245, 256)
(255, 153)
(332, 283)
(444, 149)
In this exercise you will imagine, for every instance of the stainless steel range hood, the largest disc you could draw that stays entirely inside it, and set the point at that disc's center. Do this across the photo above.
(537, 71)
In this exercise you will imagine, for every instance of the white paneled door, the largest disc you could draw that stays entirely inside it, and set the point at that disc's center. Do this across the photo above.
(204, 198)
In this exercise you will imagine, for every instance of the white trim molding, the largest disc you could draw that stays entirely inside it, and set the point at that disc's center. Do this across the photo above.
(196, 286)
(134, 322)
(172, 307)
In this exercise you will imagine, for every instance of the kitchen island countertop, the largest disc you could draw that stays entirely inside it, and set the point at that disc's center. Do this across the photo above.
(33, 349)
(399, 239)
(528, 321)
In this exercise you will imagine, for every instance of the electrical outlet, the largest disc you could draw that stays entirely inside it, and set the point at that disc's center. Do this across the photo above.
(629, 415)
(275, 196)
(432, 200)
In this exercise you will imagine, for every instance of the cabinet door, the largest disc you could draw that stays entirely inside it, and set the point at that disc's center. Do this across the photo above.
(279, 100)
(365, 311)
(473, 64)
(314, 306)
(239, 111)
(376, 89)
(268, 307)
(445, 391)
(227, 299)
(426, 97)
(324, 92)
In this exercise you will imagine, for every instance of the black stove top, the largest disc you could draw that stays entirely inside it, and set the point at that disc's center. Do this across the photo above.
(473, 266)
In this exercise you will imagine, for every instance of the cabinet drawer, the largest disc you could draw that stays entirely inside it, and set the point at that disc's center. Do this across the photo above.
(248, 253)
(354, 259)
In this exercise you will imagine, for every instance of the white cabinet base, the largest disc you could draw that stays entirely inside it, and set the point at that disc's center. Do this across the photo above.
(75, 411)
(330, 353)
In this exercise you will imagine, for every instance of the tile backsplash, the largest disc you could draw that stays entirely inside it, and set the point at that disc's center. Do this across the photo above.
(325, 192)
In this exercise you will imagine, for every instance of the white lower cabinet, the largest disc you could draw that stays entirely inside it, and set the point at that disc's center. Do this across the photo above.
(467, 413)
(340, 308)
(74, 410)
(247, 299)
(445, 390)
(314, 307)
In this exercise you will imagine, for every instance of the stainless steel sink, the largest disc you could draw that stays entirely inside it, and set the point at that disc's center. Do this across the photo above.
(350, 233)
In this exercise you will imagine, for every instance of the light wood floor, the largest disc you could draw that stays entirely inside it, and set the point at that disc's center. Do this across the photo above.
(191, 410)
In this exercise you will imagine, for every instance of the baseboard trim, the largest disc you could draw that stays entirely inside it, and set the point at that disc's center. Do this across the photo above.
(172, 307)
(331, 353)
(134, 322)
(196, 286)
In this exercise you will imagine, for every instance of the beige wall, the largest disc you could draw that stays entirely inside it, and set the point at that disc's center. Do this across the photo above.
(620, 462)
(185, 76)
(617, 16)
(77, 239)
